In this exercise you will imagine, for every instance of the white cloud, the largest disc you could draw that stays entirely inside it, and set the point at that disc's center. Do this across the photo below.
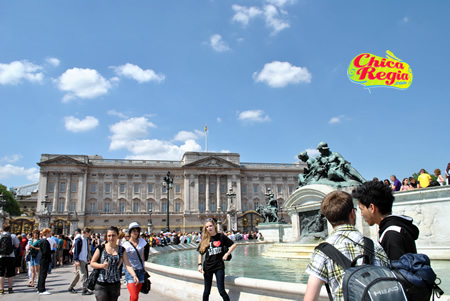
(219, 120)
(76, 125)
(129, 130)
(184, 136)
(14, 72)
(280, 3)
(132, 135)
(11, 159)
(337, 119)
(137, 73)
(53, 61)
(82, 83)
(254, 116)
(273, 19)
(271, 13)
(117, 114)
(405, 20)
(218, 44)
(8, 170)
(312, 152)
(244, 14)
(280, 74)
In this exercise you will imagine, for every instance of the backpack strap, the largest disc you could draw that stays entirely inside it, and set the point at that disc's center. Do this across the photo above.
(369, 250)
(334, 254)
(390, 228)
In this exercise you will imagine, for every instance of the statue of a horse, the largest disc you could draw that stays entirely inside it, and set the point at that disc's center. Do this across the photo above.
(268, 213)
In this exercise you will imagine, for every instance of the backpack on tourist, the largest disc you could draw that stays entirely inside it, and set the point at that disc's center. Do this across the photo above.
(415, 273)
(6, 246)
(367, 281)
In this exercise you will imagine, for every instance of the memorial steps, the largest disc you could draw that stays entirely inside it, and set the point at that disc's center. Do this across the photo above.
(290, 251)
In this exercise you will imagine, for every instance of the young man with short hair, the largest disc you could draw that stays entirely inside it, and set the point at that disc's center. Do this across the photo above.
(81, 259)
(424, 179)
(7, 262)
(339, 210)
(397, 233)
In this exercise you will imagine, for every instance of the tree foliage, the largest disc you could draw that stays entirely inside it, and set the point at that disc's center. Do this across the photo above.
(11, 206)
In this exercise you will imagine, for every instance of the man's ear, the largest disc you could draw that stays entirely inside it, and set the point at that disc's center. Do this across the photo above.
(372, 208)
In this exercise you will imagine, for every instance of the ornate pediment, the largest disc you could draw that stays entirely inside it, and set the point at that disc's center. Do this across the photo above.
(213, 162)
(61, 160)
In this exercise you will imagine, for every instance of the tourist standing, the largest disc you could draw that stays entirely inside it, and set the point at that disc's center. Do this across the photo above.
(33, 250)
(7, 258)
(45, 259)
(424, 179)
(405, 185)
(212, 245)
(135, 248)
(111, 257)
(339, 210)
(440, 178)
(81, 256)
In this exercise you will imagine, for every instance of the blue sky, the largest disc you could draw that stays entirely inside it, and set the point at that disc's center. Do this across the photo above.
(141, 79)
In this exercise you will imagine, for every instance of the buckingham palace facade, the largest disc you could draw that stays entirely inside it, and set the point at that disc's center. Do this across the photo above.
(81, 190)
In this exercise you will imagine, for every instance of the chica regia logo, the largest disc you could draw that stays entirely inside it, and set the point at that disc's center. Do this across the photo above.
(373, 71)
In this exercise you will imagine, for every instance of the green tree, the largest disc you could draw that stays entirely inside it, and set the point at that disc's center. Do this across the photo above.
(11, 206)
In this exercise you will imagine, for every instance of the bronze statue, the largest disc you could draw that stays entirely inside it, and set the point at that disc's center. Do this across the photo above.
(328, 168)
(270, 211)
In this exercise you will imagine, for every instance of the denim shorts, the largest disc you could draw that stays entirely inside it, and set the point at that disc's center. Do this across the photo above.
(34, 261)
(139, 273)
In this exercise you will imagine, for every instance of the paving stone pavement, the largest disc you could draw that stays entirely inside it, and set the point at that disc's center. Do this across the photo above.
(57, 283)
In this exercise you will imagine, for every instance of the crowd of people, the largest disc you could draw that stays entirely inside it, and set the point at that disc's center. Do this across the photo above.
(423, 180)
(118, 254)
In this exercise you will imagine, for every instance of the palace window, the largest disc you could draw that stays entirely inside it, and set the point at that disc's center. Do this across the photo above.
(107, 207)
(201, 207)
(136, 207)
(222, 188)
(255, 188)
(74, 187)
(149, 206)
(136, 188)
(107, 188)
(62, 187)
(73, 206)
(92, 207)
(201, 188)
(177, 206)
(178, 188)
(279, 188)
(61, 207)
(244, 188)
(93, 188)
(51, 187)
(150, 188)
(122, 207)
(122, 188)
(164, 207)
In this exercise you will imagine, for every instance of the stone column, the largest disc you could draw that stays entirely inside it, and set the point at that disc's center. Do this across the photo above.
(295, 219)
(218, 192)
(187, 199)
(115, 192)
(196, 194)
(42, 190)
(68, 192)
(207, 193)
(238, 193)
(82, 183)
(56, 193)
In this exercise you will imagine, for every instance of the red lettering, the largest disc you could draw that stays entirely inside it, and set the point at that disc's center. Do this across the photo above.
(391, 76)
(405, 76)
(366, 71)
(399, 66)
(381, 75)
(358, 59)
(391, 64)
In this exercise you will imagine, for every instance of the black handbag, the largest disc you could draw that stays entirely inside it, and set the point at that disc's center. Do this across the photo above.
(147, 285)
(93, 276)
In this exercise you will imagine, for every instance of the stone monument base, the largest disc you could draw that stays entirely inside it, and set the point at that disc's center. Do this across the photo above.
(276, 232)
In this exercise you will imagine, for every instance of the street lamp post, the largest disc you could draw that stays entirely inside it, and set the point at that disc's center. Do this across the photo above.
(168, 183)
(232, 222)
(150, 225)
(45, 217)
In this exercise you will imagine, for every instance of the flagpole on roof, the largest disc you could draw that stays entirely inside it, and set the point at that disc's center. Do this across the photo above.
(206, 138)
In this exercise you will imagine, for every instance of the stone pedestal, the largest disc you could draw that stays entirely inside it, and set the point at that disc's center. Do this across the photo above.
(275, 232)
(44, 221)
